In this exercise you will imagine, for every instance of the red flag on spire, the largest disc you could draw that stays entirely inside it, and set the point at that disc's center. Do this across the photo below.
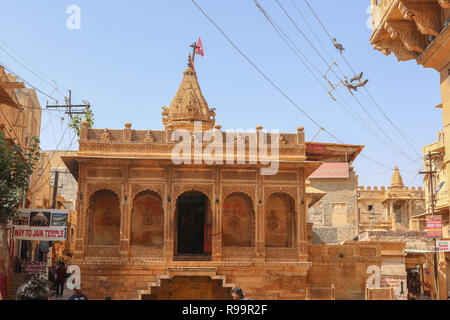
(199, 49)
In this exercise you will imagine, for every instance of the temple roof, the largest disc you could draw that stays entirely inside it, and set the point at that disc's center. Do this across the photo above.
(397, 181)
(188, 106)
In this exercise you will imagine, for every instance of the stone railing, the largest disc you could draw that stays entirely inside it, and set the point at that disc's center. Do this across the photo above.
(102, 251)
(153, 253)
(281, 254)
(238, 253)
(319, 252)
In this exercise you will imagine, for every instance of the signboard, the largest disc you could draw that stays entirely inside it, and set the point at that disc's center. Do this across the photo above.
(434, 226)
(331, 170)
(40, 225)
(399, 285)
(39, 233)
(33, 267)
(443, 245)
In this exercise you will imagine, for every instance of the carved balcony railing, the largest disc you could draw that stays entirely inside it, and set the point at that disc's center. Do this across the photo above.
(102, 251)
(146, 253)
(238, 253)
(281, 254)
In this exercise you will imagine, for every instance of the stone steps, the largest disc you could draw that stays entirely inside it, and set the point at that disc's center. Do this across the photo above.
(17, 279)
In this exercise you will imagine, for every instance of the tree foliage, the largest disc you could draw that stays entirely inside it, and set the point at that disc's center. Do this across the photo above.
(77, 120)
(16, 167)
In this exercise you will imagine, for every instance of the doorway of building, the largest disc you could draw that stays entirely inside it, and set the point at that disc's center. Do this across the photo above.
(192, 225)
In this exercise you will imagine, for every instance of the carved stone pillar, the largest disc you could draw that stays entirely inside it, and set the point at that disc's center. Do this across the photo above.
(126, 203)
(260, 237)
(217, 218)
(168, 217)
(302, 232)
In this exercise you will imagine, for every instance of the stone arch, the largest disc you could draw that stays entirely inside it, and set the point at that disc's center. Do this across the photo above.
(147, 219)
(104, 218)
(193, 223)
(280, 221)
(238, 221)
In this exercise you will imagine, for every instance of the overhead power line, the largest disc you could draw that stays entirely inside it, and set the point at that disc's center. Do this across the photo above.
(365, 89)
(273, 83)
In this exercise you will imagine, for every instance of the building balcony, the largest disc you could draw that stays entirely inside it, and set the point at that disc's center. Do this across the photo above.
(412, 30)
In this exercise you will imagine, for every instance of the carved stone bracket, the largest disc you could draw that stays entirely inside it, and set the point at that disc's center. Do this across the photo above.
(426, 16)
(408, 34)
(396, 46)
(444, 4)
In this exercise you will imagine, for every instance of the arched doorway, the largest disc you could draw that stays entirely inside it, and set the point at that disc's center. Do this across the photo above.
(193, 221)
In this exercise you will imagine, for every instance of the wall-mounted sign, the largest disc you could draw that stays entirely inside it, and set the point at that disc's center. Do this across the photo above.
(434, 226)
(40, 224)
(331, 170)
(33, 267)
(443, 245)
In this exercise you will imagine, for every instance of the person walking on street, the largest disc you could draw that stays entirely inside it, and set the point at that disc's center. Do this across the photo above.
(238, 294)
(60, 279)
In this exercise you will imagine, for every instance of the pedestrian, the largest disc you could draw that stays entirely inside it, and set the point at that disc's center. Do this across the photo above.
(52, 276)
(60, 279)
(33, 290)
(238, 294)
(78, 295)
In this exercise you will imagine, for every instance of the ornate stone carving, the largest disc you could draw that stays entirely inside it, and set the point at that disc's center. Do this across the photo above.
(99, 251)
(268, 191)
(408, 34)
(138, 188)
(149, 137)
(92, 188)
(444, 3)
(281, 254)
(182, 188)
(426, 16)
(248, 190)
(281, 139)
(396, 46)
(106, 136)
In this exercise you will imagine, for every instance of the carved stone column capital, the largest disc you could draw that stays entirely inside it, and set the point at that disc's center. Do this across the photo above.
(426, 16)
(407, 32)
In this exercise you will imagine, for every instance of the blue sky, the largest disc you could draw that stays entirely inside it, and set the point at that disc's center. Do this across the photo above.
(128, 57)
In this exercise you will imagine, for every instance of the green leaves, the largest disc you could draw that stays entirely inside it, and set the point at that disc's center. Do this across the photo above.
(77, 121)
(16, 167)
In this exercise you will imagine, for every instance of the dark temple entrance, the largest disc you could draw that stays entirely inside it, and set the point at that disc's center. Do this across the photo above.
(192, 224)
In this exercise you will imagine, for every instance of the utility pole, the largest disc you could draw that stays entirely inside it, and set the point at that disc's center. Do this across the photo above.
(55, 189)
(431, 172)
(70, 108)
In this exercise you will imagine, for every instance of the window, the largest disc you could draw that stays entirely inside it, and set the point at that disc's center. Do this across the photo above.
(370, 207)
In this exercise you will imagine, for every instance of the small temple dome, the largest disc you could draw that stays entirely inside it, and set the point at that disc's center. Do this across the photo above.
(397, 181)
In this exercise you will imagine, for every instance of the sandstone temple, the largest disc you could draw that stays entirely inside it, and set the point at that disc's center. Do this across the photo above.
(148, 228)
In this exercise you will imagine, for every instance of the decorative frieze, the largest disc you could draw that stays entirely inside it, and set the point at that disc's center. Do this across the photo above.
(426, 16)
(407, 32)
(396, 46)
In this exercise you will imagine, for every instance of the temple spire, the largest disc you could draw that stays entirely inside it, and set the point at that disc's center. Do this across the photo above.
(188, 106)
(397, 181)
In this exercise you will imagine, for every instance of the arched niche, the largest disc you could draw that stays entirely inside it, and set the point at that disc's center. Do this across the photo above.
(104, 219)
(238, 221)
(280, 221)
(147, 220)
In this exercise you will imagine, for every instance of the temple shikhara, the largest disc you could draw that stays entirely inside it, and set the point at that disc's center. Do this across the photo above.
(151, 229)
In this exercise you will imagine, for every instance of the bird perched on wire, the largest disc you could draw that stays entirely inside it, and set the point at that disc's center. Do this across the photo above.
(338, 46)
(357, 78)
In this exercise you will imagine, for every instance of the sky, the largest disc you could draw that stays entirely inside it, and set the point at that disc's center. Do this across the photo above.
(127, 60)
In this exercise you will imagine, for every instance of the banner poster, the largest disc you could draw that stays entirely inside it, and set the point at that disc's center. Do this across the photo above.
(443, 245)
(434, 226)
(399, 284)
(40, 225)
